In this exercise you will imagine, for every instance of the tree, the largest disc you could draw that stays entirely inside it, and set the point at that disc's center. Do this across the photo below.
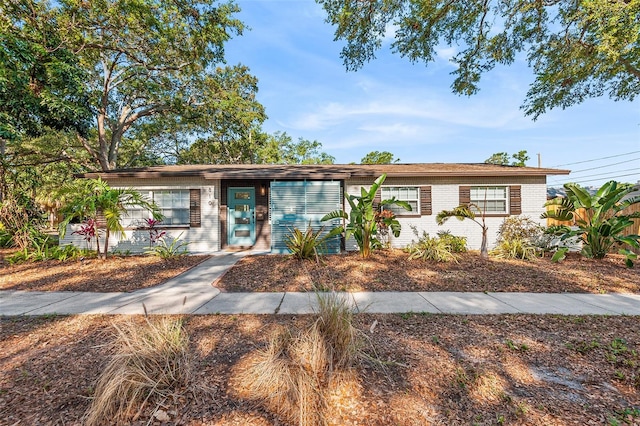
(228, 121)
(363, 218)
(279, 148)
(521, 158)
(97, 201)
(502, 159)
(41, 81)
(600, 219)
(144, 60)
(377, 157)
(466, 211)
(577, 50)
(42, 96)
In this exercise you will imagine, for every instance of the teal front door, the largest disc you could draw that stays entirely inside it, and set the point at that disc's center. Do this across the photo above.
(241, 203)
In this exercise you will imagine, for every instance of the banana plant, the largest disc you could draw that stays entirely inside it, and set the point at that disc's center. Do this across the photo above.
(600, 220)
(362, 217)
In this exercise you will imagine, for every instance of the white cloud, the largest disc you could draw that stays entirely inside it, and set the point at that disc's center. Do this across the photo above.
(387, 109)
(389, 33)
(446, 53)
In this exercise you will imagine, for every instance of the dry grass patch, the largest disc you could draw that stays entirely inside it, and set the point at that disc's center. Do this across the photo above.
(151, 363)
(303, 372)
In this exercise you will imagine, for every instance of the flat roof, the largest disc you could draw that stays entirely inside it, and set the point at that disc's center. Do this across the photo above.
(324, 171)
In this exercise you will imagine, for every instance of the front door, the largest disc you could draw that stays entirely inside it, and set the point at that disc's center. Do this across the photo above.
(241, 224)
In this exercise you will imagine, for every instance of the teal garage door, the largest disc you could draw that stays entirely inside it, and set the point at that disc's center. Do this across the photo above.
(298, 204)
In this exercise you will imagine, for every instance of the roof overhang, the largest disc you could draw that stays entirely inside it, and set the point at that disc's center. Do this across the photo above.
(324, 172)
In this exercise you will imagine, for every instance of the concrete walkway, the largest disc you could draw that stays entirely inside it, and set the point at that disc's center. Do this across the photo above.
(192, 293)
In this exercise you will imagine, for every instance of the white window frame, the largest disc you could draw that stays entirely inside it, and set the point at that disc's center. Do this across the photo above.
(135, 219)
(491, 197)
(396, 191)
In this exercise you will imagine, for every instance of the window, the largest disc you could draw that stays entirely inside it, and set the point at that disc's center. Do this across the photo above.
(490, 199)
(410, 194)
(174, 206)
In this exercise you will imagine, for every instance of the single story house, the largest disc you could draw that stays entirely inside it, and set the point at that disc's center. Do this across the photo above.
(248, 206)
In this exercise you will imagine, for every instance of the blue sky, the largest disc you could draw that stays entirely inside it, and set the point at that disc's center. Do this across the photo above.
(409, 110)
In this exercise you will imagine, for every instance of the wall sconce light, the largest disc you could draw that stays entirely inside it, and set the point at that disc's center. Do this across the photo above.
(263, 190)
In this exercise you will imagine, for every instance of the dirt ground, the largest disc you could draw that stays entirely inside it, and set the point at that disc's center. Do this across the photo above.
(441, 370)
(117, 273)
(393, 271)
(384, 271)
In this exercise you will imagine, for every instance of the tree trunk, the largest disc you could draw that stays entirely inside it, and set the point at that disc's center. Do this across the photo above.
(484, 252)
(101, 223)
(98, 241)
(106, 244)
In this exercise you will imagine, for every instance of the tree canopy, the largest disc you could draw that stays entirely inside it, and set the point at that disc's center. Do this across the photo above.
(503, 159)
(146, 65)
(41, 81)
(379, 157)
(280, 148)
(577, 50)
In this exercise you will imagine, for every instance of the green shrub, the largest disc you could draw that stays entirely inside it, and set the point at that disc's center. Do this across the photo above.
(5, 239)
(305, 245)
(456, 243)
(520, 228)
(428, 248)
(516, 249)
(519, 237)
(46, 249)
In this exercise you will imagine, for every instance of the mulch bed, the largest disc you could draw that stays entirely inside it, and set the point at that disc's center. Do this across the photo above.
(116, 273)
(393, 271)
(441, 369)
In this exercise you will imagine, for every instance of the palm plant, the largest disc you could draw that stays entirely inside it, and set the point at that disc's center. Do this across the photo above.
(98, 200)
(599, 219)
(362, 217)
(463, 212)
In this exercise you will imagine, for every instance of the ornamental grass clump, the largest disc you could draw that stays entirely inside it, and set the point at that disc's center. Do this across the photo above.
(150, 363)
(516, 249)
(294, 374)
(519, 237)
(430, 248)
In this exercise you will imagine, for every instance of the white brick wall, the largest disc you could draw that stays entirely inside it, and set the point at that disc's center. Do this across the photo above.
(205, 239)
(445, 196)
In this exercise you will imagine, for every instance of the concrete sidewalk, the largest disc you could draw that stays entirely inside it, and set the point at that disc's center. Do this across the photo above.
(192, 293)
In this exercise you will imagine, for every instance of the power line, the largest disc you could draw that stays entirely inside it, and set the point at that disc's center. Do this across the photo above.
(602, 167)
(610, 178)
(635, 169)
(596, 159)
